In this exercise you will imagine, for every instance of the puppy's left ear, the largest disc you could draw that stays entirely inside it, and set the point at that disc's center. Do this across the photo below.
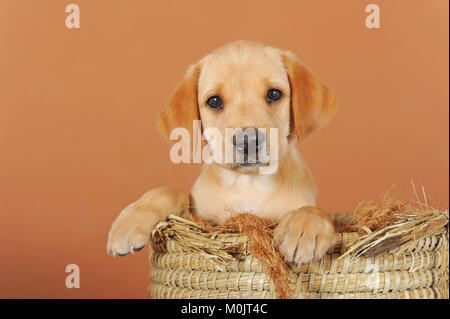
(182, 108)
(313, 104)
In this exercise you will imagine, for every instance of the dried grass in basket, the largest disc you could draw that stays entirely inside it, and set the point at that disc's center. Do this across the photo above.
(392, 249)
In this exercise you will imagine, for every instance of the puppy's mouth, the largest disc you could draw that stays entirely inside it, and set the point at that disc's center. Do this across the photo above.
(248, 164)
(256, 164)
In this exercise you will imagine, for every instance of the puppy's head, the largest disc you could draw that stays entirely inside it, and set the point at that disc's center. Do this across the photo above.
(252, 101)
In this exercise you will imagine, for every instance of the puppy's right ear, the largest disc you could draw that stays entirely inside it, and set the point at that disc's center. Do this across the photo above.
(182, 108)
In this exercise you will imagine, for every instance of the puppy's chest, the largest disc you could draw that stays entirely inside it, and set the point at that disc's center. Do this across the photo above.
(246, 195)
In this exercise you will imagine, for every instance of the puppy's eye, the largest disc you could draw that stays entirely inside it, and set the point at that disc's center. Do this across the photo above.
(274, 95)
(215, 102)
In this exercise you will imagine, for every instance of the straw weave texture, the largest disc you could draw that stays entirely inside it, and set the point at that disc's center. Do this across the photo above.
(180, 270)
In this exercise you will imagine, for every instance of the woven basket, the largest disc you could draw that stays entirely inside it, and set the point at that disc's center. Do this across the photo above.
(180, 270)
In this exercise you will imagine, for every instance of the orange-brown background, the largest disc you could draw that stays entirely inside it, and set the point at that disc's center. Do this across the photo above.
(78, 111)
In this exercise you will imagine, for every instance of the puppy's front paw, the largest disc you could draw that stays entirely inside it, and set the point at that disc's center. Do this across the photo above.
(304, 234)
(130, 231)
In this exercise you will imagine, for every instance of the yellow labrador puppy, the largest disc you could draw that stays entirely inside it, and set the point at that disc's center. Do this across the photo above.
(244, 85)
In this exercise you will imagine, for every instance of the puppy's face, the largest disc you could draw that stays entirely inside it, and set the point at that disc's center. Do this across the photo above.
(252, 101)
(245, 87)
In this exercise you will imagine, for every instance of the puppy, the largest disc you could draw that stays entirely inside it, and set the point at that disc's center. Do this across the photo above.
(244, 85)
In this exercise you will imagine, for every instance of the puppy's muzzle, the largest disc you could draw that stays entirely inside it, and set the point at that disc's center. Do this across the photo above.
(248, 143)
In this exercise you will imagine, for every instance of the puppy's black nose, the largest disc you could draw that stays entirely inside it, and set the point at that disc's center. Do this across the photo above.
(248, 141)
